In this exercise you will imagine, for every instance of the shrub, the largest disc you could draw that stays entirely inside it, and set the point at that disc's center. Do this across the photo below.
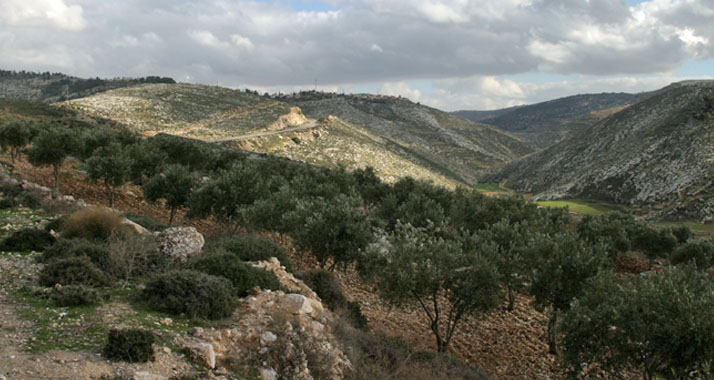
(7, 203)
(243, 276)
(700, 251)
(29, 239)
(136, 255)
(97, 253)
(130, 345)
(72, 271)
(195, 294)
(147, 222)
(30, 199)
(327, 287)
(75, 295)
(95, 223)
(56, 224)
(252, 247)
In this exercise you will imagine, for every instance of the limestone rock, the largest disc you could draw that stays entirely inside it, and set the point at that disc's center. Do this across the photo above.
(143, 375)
(136, 227)
(268, 374)
(203, 353)
(180, 243)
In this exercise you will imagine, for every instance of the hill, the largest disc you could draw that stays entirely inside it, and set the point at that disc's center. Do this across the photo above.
(52, 87)
(655, 154)
(544, 124)
(440, 141)
(396, 136)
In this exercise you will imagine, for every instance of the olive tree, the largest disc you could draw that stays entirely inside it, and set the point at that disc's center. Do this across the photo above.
(50, 148)
(429, 268)
(173, 185)
(660, 324)
(111, 164)
(559, 267)
(333, 230)
(15, 134)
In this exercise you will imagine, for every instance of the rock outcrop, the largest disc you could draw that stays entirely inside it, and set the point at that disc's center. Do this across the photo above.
(287, 334)
(180, 243)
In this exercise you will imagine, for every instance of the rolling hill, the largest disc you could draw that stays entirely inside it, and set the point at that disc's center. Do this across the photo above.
(656, 153)
(544, 124)
(52, 87)
(396, 136)
(440, 141)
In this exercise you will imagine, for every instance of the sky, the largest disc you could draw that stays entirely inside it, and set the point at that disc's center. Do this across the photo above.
(449, 54)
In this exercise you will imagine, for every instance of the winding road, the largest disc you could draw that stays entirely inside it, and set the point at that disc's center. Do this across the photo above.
(311, 124)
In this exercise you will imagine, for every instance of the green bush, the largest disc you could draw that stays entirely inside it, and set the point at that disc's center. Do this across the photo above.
(7, 203)
(29, 239)
(72, 271)
(95, 223)
(327, 287)
(252, 247)
(75, 295)
(147, 222)
(196, 294)
(699, 251)
(130, 345)
(30, 199)
(56, 224)
(244, 277)
(97, 253)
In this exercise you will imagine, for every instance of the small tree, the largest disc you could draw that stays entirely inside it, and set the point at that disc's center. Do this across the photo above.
(227, 196)
(50, 148)
(336, 229)
(560, 266)
(660, 323)
(111, 164)
(174, 185)
(429, 268)
(15, 134)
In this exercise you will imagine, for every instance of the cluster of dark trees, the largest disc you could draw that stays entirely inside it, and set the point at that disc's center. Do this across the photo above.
(452, 253)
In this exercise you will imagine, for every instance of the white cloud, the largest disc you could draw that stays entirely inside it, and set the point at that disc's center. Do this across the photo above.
(400, 89)
(376, 48)
(242, 42)
(42, 13)
(207, 38)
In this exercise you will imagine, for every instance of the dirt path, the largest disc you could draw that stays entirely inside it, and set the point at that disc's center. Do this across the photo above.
(312, 124)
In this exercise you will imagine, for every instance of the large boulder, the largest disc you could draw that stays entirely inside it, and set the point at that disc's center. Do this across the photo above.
(180, 243)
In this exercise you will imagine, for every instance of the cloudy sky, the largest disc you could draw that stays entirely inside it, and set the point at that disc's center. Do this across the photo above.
(451, 54)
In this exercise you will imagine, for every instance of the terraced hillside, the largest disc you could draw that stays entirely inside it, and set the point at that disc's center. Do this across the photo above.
(544, 124)
(657, 154)
(442, 142)
(338, 143)
(196, 111)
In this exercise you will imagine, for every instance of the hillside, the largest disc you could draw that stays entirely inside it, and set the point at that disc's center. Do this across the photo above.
(656, 154)
(52, 87)
(397, 137)
(544, 124)
(442, 142)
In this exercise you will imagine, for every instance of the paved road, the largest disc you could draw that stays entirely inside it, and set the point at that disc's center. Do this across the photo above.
(311, 124)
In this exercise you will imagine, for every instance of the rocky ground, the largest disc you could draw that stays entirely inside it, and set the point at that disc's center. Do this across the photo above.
(508, 345)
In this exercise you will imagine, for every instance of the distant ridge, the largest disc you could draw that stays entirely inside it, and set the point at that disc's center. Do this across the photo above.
(544, 124)
(657, 154)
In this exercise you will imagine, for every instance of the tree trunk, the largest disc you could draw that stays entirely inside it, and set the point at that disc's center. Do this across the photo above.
(171, 216)
(511, 299)
(55, 189)
(552, 332)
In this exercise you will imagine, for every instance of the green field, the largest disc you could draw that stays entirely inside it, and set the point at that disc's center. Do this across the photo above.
(494, 187)
(578, 206)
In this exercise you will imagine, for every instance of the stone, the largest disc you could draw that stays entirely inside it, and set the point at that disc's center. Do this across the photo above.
(268, 374)
(136, 227)
(203, 353)
(180, 243)
(296, 304)
(267, 338)
(143, 375)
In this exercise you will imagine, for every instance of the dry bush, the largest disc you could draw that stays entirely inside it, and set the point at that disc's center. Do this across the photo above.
(135, 255)
(93, 223)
